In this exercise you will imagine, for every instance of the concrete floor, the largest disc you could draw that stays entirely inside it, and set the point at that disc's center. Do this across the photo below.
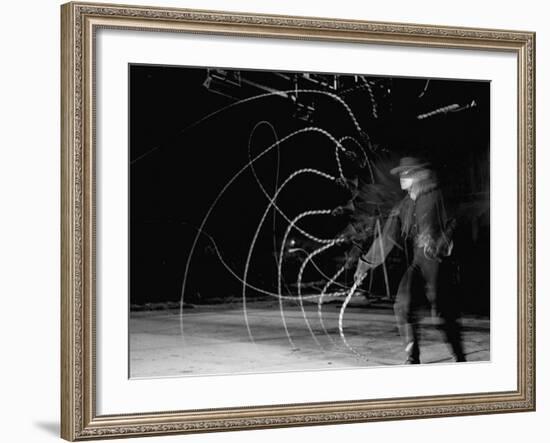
(215, 339)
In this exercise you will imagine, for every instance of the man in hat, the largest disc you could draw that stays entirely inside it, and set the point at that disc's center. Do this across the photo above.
(420, 220)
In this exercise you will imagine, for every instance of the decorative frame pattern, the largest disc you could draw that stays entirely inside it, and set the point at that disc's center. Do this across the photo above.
(79, 23)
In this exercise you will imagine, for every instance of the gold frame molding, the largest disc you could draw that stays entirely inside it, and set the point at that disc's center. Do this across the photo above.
(79, 22)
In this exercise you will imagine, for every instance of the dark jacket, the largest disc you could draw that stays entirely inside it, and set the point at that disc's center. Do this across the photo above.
(419, 220)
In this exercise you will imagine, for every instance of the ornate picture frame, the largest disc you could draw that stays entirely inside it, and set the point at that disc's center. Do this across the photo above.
(80, 419)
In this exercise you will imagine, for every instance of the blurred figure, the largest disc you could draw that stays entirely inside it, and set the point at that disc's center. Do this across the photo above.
(420, 225)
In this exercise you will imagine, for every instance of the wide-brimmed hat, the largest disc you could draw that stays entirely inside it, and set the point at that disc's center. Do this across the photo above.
(408, 164)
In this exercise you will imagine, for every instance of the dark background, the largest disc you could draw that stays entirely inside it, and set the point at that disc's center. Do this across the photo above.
(178, 167)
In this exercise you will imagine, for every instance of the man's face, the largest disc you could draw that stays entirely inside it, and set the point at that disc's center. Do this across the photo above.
(406, 181)
(409, 178)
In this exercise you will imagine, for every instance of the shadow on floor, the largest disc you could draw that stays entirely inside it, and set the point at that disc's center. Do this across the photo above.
(50, 427)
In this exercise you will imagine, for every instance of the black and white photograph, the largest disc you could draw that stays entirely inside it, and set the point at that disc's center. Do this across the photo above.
(276, 221)
(284, 221)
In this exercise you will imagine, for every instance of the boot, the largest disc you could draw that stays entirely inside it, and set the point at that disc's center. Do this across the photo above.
(454, 339)
(413, 353)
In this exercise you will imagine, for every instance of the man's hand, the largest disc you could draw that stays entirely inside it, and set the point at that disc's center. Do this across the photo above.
(361, 271)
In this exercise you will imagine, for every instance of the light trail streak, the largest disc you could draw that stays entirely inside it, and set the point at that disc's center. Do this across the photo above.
(310, 129)
(321, 299)
(257, 232)
(300, 275)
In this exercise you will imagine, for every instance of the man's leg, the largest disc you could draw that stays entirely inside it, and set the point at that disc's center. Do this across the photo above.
(404, 315)
(448, 311)
(444, 306)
